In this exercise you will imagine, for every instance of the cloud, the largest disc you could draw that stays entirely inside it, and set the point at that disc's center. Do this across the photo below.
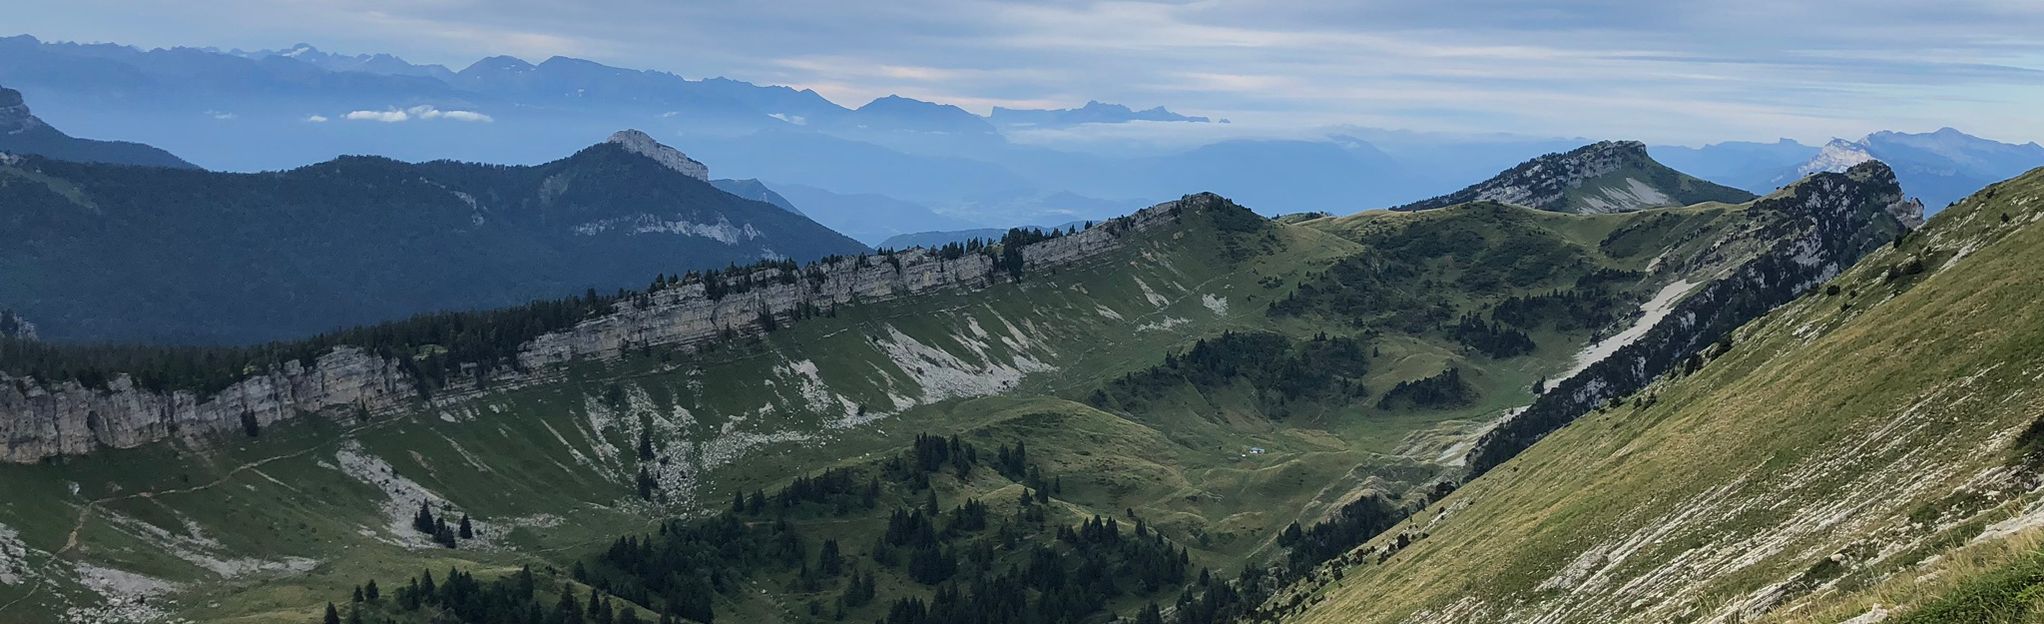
(390, 116)
(460, 115)
(423, 112)
(316, 119)
(222, 115)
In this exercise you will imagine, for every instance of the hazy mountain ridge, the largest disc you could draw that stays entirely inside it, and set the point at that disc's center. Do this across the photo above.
(1092, 112)
(21, 132)
(242, 258)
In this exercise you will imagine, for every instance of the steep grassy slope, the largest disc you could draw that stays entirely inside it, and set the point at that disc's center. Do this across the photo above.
(1866, 450)
(1124, 374)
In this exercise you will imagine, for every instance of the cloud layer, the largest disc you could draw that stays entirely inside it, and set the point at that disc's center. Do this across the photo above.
(1657, 70)
(415, 113)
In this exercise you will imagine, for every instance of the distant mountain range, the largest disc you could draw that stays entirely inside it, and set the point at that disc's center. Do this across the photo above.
(755, 190)
(1938, 167)
(278, 109)
(1611, 176)
(93, 252)
(22, 133)
(1092, 112)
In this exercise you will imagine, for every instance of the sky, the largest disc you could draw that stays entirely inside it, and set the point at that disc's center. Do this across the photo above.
(1674, 72)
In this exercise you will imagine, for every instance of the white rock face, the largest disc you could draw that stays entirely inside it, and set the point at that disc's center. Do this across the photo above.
(1836, 157)
(643, 144)
(46, 419)
(1545, 182)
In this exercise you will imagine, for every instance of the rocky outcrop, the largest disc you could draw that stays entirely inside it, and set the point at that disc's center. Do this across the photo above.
(41, 419)
(1802, 236)
(13, 326)
(1630, 179)
(14, 115)
(643, 144)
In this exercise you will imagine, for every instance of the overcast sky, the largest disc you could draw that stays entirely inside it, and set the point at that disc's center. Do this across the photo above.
(1686, 72)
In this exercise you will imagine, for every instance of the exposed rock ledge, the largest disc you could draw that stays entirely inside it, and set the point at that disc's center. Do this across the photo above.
(41, 420)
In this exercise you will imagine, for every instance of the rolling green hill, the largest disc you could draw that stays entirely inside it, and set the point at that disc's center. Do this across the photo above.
(1865, 453)
(1235, 393)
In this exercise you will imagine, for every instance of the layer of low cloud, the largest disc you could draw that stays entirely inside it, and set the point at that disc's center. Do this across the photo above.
(415, 113)
(1668, 71)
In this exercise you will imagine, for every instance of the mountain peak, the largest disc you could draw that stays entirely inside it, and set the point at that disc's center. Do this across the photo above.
(643, 144)
(1607, 176)
(1869, 183)
(499, 63)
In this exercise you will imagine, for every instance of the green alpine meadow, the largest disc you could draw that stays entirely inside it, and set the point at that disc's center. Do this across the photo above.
(1007, 312)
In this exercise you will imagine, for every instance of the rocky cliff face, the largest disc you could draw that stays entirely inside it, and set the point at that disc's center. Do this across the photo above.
(643, 144)
(1802, 236)
(39, 419)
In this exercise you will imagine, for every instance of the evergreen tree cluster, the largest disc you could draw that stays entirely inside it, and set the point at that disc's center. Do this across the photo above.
(1444, 390)
(970, 561)
(1573, 309)
(1278, 369)
(437, 528)
(1071, 580)
(1491, 338)
(1374, 290)
(680, 569)
(1350, 526)
(930, 454)
(461, 598)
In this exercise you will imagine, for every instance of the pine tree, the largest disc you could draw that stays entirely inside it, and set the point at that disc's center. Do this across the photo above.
(1150, 615)
(829, 561)
(443, 534)
(423, 521)
(646, 484)
(467, 530)
(333, 616)
(370, 591)
(567, 611)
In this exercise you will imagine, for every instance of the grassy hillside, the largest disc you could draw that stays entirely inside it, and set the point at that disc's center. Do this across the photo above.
(1867, 449)
(1216, 381)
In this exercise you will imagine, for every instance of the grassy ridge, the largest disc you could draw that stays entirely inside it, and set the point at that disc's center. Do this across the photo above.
(1840, 445)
